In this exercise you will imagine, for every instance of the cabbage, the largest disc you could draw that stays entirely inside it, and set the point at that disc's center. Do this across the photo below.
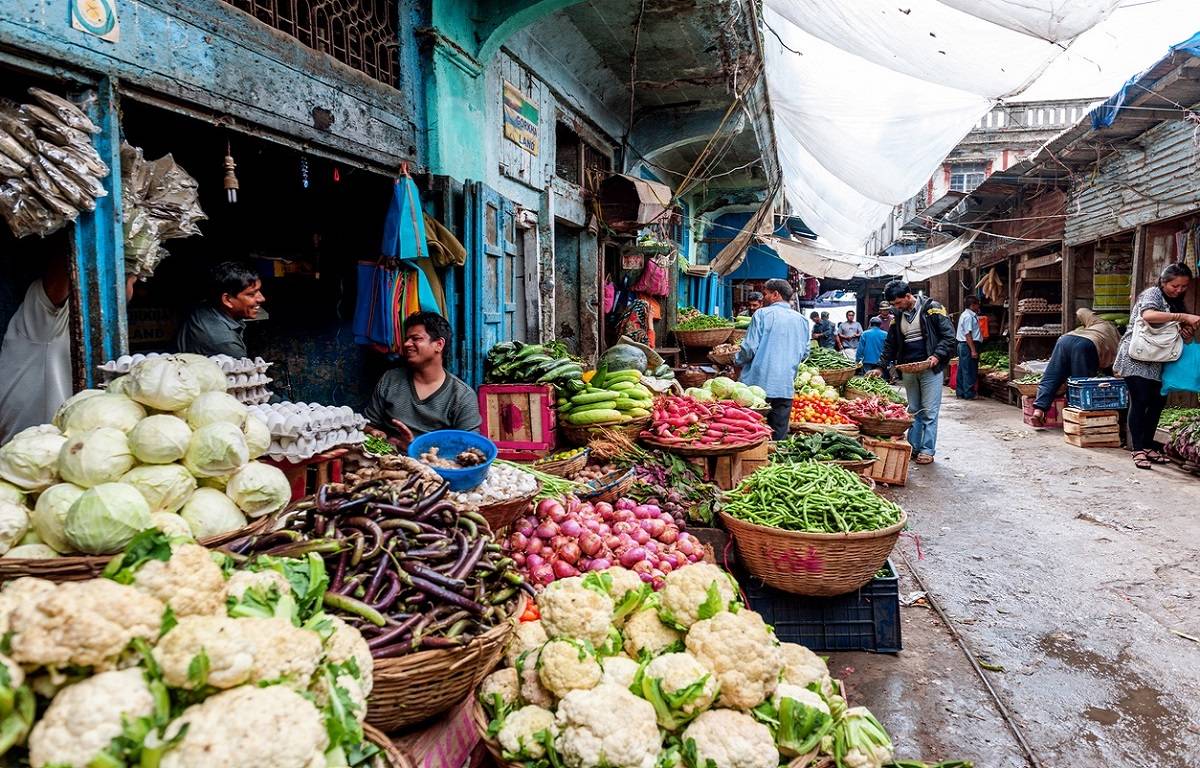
(219, 482)
(722, 387)
(30, 460)
(99, 456)
(213, 407)
(11, 493)
(106, 518)
(30, 536)
(116, 411)
(49, 516)
(31, 552)
(14, 522)
(210, 513)
(216, 449)
(64, 410)
(759, 392)
(165, 487)
(163, 383)
(698, 394)
(744, 397)
(118, 386)
(160, 439)
(208, 374)
(830, 393)
(171, 524)
(258, 436)
(259, 489)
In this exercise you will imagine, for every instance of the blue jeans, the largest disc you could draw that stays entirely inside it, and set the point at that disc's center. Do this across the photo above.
(924, 392)
(968, 371)
(1072, 356)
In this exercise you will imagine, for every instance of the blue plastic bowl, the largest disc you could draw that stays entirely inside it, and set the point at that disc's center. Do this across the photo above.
(450, 443)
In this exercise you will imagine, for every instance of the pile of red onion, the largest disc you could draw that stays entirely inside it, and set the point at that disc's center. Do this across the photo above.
(560, 541)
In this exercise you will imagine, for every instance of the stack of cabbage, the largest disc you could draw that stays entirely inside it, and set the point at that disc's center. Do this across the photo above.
(725, 388)
(175, 660)
(163, 447)
(616, 676)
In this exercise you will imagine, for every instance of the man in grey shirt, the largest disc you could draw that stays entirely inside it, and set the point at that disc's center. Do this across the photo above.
(216, 327)
(421, 396)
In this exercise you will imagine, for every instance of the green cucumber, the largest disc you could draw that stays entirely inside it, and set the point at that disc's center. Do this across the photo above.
(621, 386)
(604, 405)
(598, 396)
(637, 413)
(597, 416)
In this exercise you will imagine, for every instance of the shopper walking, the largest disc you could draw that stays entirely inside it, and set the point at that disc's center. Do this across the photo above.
(922, 333)
(1085, 351)
(849, 333)
(969, 337)
(827, 337)
(870, 347)
(1162, 303)
(776, 343)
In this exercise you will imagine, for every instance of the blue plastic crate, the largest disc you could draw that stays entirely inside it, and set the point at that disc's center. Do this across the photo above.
(1100, 393)
(867, 619)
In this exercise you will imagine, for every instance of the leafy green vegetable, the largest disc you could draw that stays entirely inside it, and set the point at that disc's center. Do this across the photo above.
(150, 544)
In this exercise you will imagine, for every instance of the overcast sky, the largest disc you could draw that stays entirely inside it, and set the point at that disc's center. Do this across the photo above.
(1135, 36)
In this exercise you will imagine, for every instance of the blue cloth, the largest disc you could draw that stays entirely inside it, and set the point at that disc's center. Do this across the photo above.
(870, 346)
(825, 327)
(1183, 375)
(968, 322)
(924, 392)
(776, 343)
(1106, 114)
(404, 236)
(1073, 357)
(968, 372)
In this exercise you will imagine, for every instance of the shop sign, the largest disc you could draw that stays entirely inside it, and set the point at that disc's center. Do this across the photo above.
(96, 17)
(520, 119)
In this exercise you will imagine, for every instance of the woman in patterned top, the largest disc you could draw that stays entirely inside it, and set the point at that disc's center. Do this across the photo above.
(1162, 303)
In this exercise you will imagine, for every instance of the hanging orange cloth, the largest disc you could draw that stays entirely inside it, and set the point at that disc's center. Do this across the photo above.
(656, 313)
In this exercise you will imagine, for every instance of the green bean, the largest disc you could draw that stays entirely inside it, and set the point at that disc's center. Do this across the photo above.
(812, 497)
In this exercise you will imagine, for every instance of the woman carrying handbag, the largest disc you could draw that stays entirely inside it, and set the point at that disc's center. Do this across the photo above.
(1158, 326)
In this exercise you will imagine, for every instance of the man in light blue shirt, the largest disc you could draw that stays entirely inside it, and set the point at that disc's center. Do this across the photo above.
(870, 346)
(969, 337)
(776, 343)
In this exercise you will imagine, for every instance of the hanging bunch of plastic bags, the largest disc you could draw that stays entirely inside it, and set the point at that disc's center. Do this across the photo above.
(160, 202)
(49, 170)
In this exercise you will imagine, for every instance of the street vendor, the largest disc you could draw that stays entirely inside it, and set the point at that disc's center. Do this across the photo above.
(1085, 351)
(217, 326)
(754, 302)
(421, 396)
(776, 343)
(922, 333)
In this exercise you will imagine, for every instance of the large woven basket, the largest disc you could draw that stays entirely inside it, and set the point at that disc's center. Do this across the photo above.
(709, 337)
(390, 757)
(480, 718)
(414, 688)
(725, 358)
(699, 451)
(564, 467)
(503, 514)
(856, 394)
(581, 435)
(83, 567)
(1027, 390)
(837, 377)
(808, 427)
(738, 336)
(857, 466)
(812, 564)
(918, 367)
(610, 487)
(691, 377)
(876, 427)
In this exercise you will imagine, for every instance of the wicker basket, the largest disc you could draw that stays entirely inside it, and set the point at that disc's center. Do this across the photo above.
(808, 427)
(738, 336)
(919, 367)
(611, 487)
(581, 435)
(724, 358)
(691, 377)
(856, 394)
(480, 718)
(504, 513)
(812, 564)
(1026, 390)
(857, 466)
(390, 757)
(709, 337)
(696, 451)
(414, 688)
(564, 467)
(877, 427)
(83, 567)
(837, 377)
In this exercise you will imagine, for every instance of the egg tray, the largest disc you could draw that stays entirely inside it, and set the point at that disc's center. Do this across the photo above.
(294, 455)
(298, 420)
(228, 365)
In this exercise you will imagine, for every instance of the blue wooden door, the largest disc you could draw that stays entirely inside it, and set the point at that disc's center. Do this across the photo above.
(490, 301)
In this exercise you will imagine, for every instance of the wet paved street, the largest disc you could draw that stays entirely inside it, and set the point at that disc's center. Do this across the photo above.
(1066, 568)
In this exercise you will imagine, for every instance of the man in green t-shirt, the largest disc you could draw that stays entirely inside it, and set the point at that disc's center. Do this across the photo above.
(421, 396)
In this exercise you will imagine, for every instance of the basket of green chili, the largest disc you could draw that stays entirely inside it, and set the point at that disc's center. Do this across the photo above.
(810, 528)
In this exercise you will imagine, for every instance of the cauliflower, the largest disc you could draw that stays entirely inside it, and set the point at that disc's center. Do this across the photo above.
(207, 650)
(607, 726)
(619, 670)
(567, 665)
(272, 727)
(348, 683)
(347, 643)
(16, 675)
(730, 740)
(802, 667)
(570, 609)
(696, 592)
(646, 635)
(84, 718)
(678, 686)
(190, 582)
(532, 690)
(525, 732)
(625, 587)
(504, 683)
(171, 524)
(859, 740)
(82, 623)
(240, 581)
(801, 719)
(18, 591)
(283, 652)
(741, 649)
(527, 636)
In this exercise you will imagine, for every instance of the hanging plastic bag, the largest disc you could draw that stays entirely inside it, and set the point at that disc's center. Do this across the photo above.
(653, 280)
(1183, 375)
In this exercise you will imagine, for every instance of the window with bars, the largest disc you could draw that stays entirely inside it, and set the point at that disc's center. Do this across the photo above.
(359, 33)
(964, 177)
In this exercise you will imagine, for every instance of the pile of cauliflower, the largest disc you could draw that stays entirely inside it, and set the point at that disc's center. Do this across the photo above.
(164, 446)
(689, 678)
(175, 660)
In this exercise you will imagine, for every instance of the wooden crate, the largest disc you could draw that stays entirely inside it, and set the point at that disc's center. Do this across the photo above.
(519, 418)
(728, 471)
(1092, 429)
(306, 476)
(892, 466)
(1094, 441)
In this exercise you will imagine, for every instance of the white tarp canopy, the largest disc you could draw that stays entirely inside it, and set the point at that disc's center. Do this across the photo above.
(870, 96)
(812, 259)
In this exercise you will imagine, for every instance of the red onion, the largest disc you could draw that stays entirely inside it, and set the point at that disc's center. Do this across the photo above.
(651, 546)
(674, 559)
(625, 504)
(546, 507)
(517, 541)
(624, 515)
(633, 557)
(584, 563)
(569, 552)
(656, 583)
(564, 570)
(646, 577)
(591, 544)
(557, 542)
(695, 557)
(571, 527)
(624, 528)
(665, 566)
(599, 564)
(558, 514)
(603, 508)
(640, 536)
(604, 529)
(684, 545)
(534, 546)
(518, 558)
(525, 526)
(592, 525)
(543, 574)
(547, 530)
(612, 541)
(573, 505)
(642, 511)
(669, 535)
(533, 561)
(654, 526)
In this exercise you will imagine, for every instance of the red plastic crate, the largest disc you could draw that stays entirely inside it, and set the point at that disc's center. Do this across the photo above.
(1054, 419)
(519, 418)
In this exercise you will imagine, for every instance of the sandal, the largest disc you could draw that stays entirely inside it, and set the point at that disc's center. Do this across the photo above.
(1038, 419)
(1157, 457)
(924, 458)
(1141, 460)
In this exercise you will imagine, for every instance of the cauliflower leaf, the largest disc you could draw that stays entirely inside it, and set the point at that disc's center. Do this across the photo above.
(147, 545)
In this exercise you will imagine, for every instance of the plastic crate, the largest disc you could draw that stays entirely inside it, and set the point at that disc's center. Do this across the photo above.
(867, 619)
(1100, 393)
